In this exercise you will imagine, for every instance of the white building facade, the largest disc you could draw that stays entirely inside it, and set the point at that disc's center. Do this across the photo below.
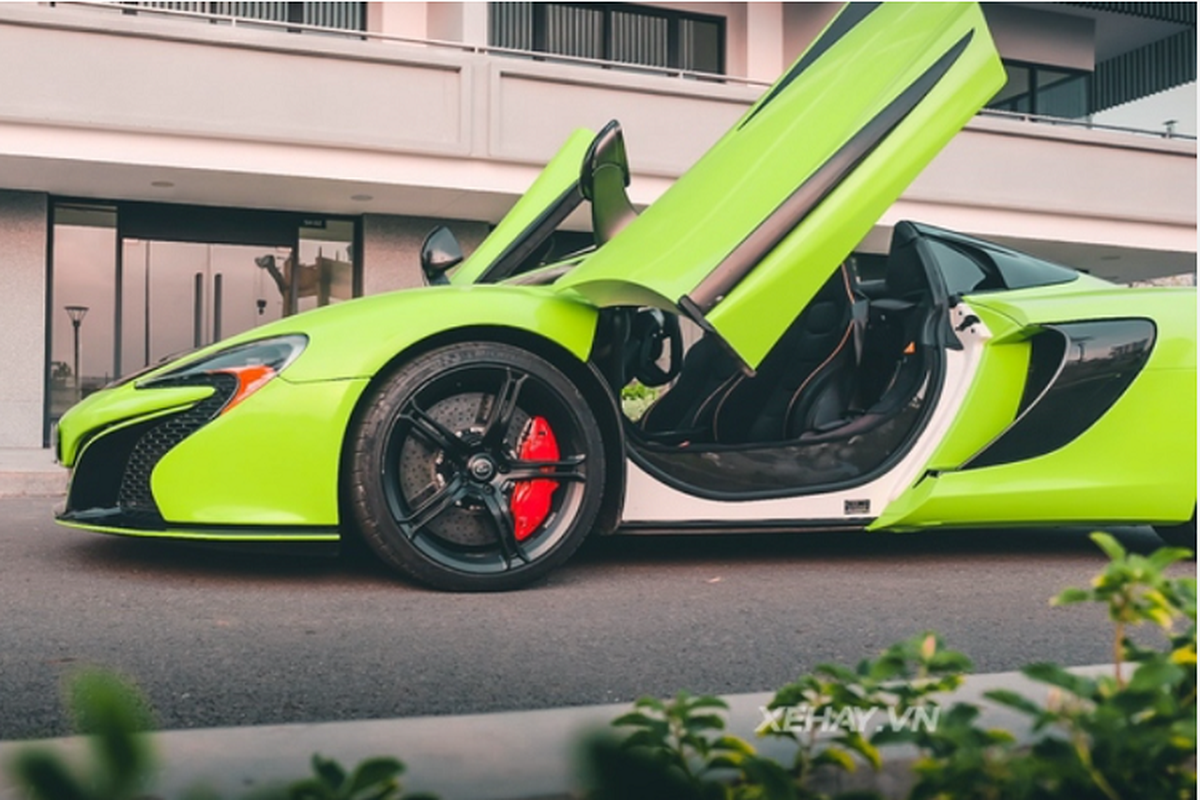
(171, 173)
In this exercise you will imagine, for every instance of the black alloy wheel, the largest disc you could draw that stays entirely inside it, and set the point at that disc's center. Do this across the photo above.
(443, 461)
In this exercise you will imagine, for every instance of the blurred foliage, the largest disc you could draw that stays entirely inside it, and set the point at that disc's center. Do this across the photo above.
(1110, 737)
(636, 399)
(115, 720)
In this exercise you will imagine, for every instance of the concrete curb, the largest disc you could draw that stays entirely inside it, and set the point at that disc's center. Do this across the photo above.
(30, 472)
(519, 755)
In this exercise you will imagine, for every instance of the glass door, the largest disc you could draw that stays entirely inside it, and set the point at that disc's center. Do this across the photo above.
(132, 283)
(177, 296)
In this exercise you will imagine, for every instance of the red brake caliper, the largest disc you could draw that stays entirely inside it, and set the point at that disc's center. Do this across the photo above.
(530, 501)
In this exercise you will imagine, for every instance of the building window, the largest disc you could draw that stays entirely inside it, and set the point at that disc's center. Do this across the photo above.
(132, 283)
(632, 34)
(1048, 91)
(343, 16)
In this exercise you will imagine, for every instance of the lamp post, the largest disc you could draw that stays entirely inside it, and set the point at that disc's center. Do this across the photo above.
(76, 313)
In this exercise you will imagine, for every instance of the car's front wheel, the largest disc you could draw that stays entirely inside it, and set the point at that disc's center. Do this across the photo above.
(476, 467)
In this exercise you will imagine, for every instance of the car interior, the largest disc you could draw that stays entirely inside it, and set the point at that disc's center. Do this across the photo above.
(836, 400)
(846, 385)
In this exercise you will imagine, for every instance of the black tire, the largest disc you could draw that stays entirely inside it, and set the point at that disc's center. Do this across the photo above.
(1180, 535)
(435, 456)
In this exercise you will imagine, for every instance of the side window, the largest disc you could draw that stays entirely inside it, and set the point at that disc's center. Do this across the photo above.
(1021, 271)
(963, 273)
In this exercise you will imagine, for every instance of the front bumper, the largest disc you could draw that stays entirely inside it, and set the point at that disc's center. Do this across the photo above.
(147, 464)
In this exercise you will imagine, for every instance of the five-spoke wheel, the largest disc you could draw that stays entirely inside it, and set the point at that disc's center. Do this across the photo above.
(476, 466)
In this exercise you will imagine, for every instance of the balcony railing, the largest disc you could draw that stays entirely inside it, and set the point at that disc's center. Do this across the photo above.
(1043, 119)
(292, 27)
(467, 47)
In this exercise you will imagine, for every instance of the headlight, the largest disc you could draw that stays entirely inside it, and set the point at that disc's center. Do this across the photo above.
(133, 376)
(253, 365)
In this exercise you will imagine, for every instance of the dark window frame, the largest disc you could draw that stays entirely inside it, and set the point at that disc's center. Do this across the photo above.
(1033, 68)
(295, 13)
(674, 18)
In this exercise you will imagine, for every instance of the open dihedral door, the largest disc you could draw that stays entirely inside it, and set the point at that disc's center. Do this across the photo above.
(743, 241)
(550, 200)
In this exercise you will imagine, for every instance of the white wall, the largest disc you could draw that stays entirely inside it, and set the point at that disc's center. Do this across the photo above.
(23, 218)
(1152, 113)
(392, 248)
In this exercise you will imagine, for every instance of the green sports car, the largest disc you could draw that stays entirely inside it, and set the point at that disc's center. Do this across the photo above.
(472, 431)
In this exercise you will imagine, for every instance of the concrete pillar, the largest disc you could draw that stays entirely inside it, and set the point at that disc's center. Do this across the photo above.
(408, 19)
(764, 41)
(475, 23)
(459, 22)
(23, 220)
(392, 248)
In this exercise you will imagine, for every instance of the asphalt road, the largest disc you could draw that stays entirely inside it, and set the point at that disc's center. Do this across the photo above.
(233, 639)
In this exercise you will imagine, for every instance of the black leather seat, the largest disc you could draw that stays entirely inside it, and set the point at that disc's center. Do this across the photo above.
(713, 401)
(811, 366)
(685, 412)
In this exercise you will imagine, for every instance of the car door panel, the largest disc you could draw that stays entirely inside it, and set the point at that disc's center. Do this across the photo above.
(746, 237)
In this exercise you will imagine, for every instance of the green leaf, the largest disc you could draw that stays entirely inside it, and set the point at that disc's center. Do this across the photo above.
(1108, 543)
(1155, 675)
(728, 761)
(1164, 557)
(775, 781)
(857, 743)
(652, 703)
(1053, 674)
(636, 718)
(835, 757)
(112, 713)
(700, 722)
(379, 771)
(1007, 697)
(734, 744)
(1071, 595)
(708, 701)
(644, 738)
(328, 771)
(45, 776)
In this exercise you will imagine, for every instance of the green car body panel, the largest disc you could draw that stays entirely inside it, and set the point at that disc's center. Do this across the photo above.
(798, 135)
(101, 410)
(256, 470)
(559, 177)
(1114, 471)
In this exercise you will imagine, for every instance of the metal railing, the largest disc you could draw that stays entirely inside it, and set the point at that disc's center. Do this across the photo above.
(1042, 119)
(463, 47)
(483, 49)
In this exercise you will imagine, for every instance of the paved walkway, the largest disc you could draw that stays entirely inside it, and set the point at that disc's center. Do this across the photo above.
(30, 472)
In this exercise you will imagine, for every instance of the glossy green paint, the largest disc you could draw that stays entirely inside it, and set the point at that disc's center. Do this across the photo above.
(683, 236)
(1173, 311)
(1136, 464)
(273, 460)
(559, 175)
(990, 405)
(106, 407)
(357, 338)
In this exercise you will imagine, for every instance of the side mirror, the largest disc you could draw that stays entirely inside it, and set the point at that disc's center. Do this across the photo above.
(440, 252)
